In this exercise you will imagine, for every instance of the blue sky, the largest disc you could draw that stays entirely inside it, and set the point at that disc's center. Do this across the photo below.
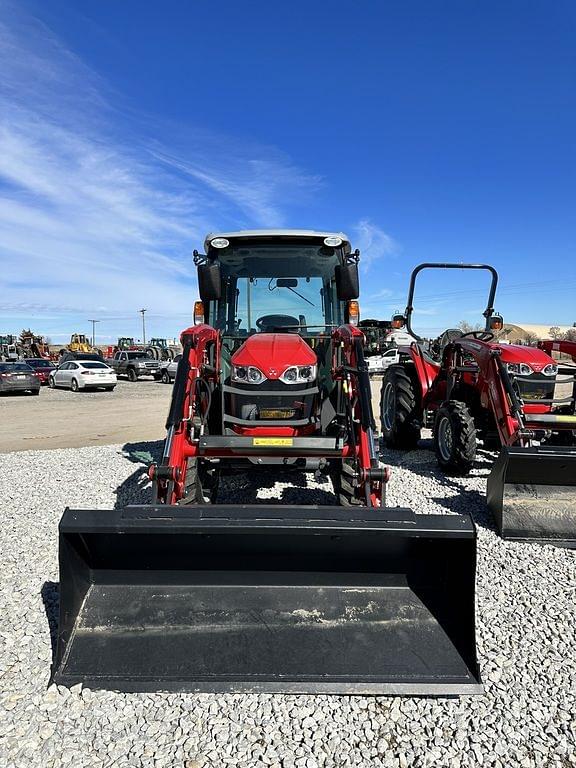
(426, 131)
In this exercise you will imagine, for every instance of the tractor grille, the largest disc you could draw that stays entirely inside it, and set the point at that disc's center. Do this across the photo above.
(536, 388)
(271, 402)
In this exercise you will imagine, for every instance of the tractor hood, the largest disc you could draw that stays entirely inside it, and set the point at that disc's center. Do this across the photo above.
(536, 358)
(272, 353)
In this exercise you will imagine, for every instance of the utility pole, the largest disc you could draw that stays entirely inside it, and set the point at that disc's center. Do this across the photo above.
(93, 331)
(143, 326)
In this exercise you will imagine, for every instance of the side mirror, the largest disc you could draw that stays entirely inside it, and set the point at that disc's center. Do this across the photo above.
(209, 281)
(398, 321)
(347, 284)
(496, 323)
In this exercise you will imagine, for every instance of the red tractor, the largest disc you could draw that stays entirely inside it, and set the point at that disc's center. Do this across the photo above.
(191, 594)
(469, 387)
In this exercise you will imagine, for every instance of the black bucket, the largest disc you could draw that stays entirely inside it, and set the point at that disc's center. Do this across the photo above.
(532, 494)
(267, 599)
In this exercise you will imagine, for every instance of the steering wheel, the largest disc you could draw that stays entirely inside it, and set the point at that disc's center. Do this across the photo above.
(480, 335)
(277, 321)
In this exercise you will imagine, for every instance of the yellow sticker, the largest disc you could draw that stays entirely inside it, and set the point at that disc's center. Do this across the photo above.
(276, 441)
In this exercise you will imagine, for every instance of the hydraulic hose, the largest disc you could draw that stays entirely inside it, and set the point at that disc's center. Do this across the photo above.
(176, 413)
(367, 417)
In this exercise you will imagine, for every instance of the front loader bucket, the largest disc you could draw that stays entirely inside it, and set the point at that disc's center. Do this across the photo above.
(532, 494)
(267, 599)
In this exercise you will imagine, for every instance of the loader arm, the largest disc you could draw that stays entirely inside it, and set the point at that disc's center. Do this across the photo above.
(564, 347)
(187, 415)
(498, 396)
(351, 369)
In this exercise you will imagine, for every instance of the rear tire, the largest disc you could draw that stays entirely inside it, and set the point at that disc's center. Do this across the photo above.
(200, 485)
(132, 375)
(399, 411)
(74, 385)
(455, 438)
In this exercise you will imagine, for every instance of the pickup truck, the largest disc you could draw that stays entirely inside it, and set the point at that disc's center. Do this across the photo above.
(379, 363)
(168, 369)
(134, 365)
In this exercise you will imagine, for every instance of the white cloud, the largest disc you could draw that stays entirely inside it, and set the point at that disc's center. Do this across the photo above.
(95, 215)
(429, 311)
(374, 243)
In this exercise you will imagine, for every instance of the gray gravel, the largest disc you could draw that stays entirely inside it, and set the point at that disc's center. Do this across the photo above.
(526, 644)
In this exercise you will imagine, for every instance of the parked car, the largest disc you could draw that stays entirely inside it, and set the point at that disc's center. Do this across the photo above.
(83, 374)
(168, 369)
(42, 367)
(18, 377)
(379, 363)
(134, 364)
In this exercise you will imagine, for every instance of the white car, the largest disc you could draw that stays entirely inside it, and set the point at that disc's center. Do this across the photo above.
(168, 369)
(379, 363)
(83, 374)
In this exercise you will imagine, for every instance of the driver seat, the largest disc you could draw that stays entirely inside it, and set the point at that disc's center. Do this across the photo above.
(449, 335)
(437, 347)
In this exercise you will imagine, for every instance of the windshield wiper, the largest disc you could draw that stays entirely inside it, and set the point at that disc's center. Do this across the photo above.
(299, 294)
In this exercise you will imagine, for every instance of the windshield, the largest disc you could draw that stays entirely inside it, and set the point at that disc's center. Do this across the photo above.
(297, 304)
(94, 365)
(136, 355)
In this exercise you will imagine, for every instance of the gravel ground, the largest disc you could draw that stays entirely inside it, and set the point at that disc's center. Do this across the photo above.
(526, 644)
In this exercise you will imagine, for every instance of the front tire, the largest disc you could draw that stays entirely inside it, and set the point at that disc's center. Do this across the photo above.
(455, 438)
(342, 475)
(399, 411)
(165, 377)
(132, 375)
(74, 385)
(200, 485)
(51, 382)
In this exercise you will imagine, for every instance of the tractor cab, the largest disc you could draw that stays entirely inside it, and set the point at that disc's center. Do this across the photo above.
(269, 283)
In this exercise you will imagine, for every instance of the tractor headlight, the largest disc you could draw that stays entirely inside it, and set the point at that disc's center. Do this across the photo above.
(299, 374)
(247, 374)
(550, 370)
(519, 369)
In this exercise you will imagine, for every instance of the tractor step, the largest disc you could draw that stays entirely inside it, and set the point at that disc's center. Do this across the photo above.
(532, 494)
(267, 599)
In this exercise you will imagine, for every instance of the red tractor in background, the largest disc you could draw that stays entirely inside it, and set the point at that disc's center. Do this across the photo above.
(469, 387)
(191, 594)
(563, 346)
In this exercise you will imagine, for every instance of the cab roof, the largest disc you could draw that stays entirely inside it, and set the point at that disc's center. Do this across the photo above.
(281, 234)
